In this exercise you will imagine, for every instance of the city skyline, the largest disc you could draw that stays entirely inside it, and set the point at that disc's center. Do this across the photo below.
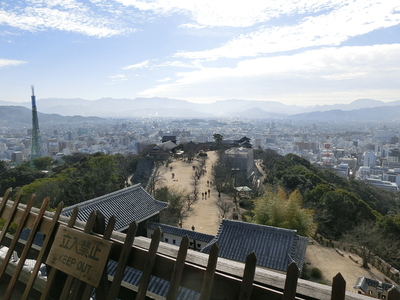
(299, 53)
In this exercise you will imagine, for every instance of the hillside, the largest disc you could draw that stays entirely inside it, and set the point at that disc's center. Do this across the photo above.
(358, 110)
(19, 114)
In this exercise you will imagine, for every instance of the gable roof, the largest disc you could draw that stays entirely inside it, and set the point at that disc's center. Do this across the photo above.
(166, 146)
(127, 205)
(194, 235)
(167, 138)
(363, 283)
(274, 247)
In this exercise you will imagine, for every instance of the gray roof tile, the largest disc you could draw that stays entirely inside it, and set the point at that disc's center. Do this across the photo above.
(274, 247)
(194, 235)
(156, 285)
(127, 205)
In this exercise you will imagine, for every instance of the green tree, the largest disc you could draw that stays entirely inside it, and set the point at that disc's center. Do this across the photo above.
(218, 138)
(341, 211)
(18, 177)
(281, 210)
(43, 163)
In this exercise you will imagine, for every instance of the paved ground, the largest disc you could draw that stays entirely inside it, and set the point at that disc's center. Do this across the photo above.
(205, 219)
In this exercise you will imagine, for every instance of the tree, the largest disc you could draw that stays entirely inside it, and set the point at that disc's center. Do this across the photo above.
(218, 138)
(224, 207)
(222, 173)
(193, 197)
(340, 211)
(3, 166)
(276, 208)
(177, 209)
(371, 241)
(155, 179)
(42, 163)
(18, 177)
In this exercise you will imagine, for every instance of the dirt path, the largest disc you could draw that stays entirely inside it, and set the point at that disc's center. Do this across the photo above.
(204, 216)
(205, 219)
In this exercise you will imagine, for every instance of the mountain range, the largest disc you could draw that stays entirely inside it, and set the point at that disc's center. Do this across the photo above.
(358, 110)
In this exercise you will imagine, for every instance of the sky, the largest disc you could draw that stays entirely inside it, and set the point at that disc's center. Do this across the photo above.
(302, 52)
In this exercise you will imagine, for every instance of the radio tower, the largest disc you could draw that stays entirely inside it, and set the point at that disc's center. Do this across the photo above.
(35, 149)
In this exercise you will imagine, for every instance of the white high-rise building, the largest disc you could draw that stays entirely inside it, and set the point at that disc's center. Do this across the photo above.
(369, 158)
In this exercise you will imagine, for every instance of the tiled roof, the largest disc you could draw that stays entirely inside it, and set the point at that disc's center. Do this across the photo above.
(127, 205)
(274, 247)
(363, 283)
(38, 239)
(156, 285)
(194, 235)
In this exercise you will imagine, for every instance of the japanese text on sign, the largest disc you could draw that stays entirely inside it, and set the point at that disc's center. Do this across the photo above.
(79, 254)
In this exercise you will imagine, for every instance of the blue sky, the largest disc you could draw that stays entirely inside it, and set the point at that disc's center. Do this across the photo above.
(302, 52)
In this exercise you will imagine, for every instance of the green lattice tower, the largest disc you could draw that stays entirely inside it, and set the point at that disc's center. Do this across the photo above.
(35, 149)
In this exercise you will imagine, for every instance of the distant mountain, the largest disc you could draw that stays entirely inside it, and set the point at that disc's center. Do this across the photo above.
(19, 114)
(357, 104)
(257, 112)
(378, 114)
(164, 107)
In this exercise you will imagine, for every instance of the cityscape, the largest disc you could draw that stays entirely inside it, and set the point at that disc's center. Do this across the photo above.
(363, 150)
(199, 150)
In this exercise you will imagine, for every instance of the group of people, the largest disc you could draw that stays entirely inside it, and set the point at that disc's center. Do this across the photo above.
(204, 195)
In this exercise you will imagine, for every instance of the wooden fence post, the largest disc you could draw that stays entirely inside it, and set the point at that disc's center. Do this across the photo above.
(46, 245)
(53, 272)
(208, 278)
(99, 227)
(292, 275)
(27, 246)
(72, 287)
(394, 294)
(119, 272)
(248, 277)
(338, 287)
(178, 269)
(9, 220)
(148, 267)
(14, 241)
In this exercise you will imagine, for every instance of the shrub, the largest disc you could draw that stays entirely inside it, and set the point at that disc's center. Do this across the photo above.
(316, 273)
(305, 273)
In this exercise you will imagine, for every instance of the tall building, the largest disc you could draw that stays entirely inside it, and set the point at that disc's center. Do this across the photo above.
(35, 149)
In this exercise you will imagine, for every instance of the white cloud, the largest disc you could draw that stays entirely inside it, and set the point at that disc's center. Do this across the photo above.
(180, 64)
(231, 13)
(366, 67)
(140, 65)
(165, 79)
(114, 79)
(66, 15)
(349, 20)
(10, 62)
(149, 65)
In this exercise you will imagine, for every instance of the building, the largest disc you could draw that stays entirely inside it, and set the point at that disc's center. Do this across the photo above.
(242, 158)
(385, 185)
(17, 156)
(372, 288)
(173, 235)
(369, 158)
(127, 205)
(167, 138)
(274, 247)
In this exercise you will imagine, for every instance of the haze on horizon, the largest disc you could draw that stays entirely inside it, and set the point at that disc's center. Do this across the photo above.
(306, 52)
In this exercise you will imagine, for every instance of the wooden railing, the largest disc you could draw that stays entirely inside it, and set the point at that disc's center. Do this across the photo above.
(209, 276)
